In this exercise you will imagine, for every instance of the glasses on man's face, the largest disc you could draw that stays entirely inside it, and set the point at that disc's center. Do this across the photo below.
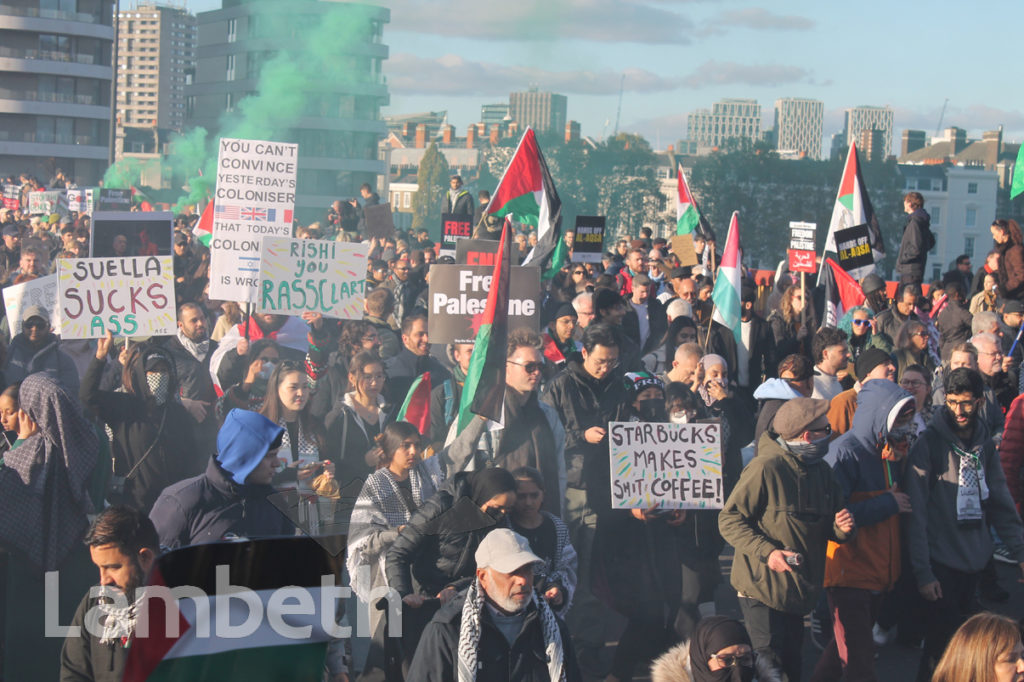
(733, 660)
(826, 429)
(957, 406)
(995, 354)
(911, 385)
(528, 367)
(606, 364)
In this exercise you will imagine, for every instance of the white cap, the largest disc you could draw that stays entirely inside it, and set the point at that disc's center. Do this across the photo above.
(505, 551)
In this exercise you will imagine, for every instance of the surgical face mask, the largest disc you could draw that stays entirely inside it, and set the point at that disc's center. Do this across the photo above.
(652, 410)
(808, 452)
(159, 385)
(679, 417)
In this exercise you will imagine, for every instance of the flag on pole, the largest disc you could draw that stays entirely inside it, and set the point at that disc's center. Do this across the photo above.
(726, 294)
(223, 616)
(853, 207)
(687, 215)
(203, 231)
(842, 292)
(1018, 174)
(416, 407)
(527, 192)
(484, 390)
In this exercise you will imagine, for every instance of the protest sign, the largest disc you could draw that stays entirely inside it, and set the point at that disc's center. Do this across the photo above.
(314, 275)
(12, 197)
(458, 297)
(48, 203)
(671, 466)
(454, 226)
(114, 200)
(128, 296)
(853, 247)
(255, 197)
(82, 200)
(588, 246)
(801, 261)
(476, 251)
(802, 247)
(121, 234)
(379, 221)
(41, 291)
(682, 247)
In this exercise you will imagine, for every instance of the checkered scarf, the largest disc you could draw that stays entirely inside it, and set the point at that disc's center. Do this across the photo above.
(469, 636)
(118, 623)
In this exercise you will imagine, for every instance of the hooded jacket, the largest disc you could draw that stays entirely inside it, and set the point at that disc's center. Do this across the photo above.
(871, 559)
(912, 254)
(23, 359)
(781, 502)
(674, 666)
(934, 532)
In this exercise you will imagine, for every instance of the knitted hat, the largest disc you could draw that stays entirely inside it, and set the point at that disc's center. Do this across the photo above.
(868, 360)
(636, 382)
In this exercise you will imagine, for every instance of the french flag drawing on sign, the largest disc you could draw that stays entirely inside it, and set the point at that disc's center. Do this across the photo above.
(254, 214)
(226, 212)
(287, 215)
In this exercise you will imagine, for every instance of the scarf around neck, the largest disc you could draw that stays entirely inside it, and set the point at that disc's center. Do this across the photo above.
(197, 350)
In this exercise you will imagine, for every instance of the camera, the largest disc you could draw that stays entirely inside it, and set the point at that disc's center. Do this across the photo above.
(795, 559)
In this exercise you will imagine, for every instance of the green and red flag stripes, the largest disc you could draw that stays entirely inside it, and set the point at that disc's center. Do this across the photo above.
(527, 193)
(687, 215)
(416, 407)
(484, 390)
(237, 610)
(842, 292)
(726, 294)
(203, 231)
(1018, 174)
(853, 207)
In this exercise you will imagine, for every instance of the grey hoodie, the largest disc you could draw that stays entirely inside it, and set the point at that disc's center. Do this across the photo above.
(934, 532)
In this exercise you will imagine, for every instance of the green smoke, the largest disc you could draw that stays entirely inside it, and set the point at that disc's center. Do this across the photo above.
(128, 172)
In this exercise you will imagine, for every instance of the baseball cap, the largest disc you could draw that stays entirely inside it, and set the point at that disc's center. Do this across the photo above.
(35, 311)
(11, 231)
(796, 415)
(505, 551)
(871, 284)
(1013, 306)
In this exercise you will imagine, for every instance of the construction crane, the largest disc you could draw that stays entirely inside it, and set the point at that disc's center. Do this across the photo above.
(618, 113)
(938, 128)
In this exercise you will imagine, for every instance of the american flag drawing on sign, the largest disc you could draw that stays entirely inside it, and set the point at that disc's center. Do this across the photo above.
(254, 214)
(226, 212)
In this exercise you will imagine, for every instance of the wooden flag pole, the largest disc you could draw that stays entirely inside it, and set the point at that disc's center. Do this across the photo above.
(711, 321)
(803, 293)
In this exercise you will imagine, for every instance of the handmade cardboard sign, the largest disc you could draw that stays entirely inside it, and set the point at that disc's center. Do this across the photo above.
(41, 291)
(128, 296)
(312, 275)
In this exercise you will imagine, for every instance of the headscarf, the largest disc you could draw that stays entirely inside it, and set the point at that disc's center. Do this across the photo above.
(44, 483)
(488, 483)
(708, 361)
(711, 636)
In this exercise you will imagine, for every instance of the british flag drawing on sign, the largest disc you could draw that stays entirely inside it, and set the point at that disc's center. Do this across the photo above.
(255, 214)
(226, 212)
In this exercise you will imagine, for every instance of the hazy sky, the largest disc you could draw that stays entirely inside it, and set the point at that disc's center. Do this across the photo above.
(681, 55)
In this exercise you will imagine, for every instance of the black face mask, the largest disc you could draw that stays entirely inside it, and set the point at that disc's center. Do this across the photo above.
(653, 410)
(497, 514)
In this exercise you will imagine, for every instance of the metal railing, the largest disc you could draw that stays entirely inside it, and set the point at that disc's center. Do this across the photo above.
(51, 97)
(84, 140)
(35, 12)
(46, 55)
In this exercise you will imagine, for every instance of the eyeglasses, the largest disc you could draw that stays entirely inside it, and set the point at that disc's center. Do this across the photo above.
(997, 353)
(827, 430)
(528, 367)
(579, 272)
(960, 405)
(732, 660)
(912, 384)
(920, 333)
(862, 323)
(606, 364)
(379, 376)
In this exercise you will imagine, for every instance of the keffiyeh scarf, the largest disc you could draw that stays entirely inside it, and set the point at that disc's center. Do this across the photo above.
(972, 489)
(197, 350)
(117, 623)
(469, 636)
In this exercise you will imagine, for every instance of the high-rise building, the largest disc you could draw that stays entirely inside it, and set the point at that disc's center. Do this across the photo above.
(55, 71)
(727, 119)
(337, 125)
(869, 118)
(798, 126)
(871, 144)
(156, 53)
(493, 113)
(542, 111)
(911, 141)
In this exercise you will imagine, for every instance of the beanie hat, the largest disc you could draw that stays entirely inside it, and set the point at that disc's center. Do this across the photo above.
(868, 360)
(636, 382)
(245, 439)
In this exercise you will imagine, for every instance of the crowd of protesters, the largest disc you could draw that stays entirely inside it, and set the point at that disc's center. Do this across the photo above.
(872, 470)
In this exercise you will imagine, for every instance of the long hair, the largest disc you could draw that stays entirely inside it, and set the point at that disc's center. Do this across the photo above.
(350, 341)
(273, 410)
(786, 306)
(1011, 228)
(973, 651)
(392, 438)
(907, 329)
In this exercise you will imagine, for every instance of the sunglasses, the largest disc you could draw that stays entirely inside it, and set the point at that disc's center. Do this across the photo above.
(528, 367)
(862, 323)
(731, 661)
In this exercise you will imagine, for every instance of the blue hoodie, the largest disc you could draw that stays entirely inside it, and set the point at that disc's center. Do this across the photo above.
(871, 560)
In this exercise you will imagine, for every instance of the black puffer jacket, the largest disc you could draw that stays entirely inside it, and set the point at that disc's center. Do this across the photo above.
(912, 255)
(439, 542)
(525, 660)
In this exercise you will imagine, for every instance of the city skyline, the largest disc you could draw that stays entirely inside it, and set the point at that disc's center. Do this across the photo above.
(682, 55)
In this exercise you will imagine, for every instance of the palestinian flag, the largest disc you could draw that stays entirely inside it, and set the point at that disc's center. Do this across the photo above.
(261, 618)
(416, 407)
(687, 214)
(1018, 174)
(842, 292)
(484, 390)
(527, 193)
(203, 231)
(726, 294)
(853, 207)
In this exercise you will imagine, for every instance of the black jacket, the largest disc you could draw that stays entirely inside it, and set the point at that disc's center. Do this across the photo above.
(437, 551)
(138, 424)
(657, 319)
(787, 338)
(763, 361)
(912, 254)
(403, 369)
(194, 380)
(954, 325)
(459, 204)
(207, 507)
(84, 659)
(583, 402)
(437, 656)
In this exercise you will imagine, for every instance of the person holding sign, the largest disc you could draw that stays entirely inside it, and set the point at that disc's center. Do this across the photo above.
(785, 508)
(37, 349)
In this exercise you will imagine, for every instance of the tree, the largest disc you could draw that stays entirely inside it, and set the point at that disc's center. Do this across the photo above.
(432, 179)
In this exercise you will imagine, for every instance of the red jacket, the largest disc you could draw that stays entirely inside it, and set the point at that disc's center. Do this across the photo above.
(1011, 449)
